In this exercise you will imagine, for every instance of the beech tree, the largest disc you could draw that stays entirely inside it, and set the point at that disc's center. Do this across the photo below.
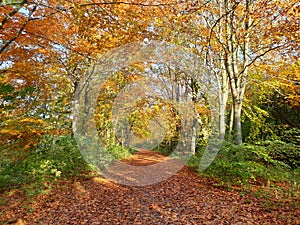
(245, 23)
(47, 45)
(233, 37)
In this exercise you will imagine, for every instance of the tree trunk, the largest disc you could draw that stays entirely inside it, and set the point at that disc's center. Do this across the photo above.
(222, 120)
(194, 136)
(223, 97)
(231, 123)
(237, 66)
(237, 121)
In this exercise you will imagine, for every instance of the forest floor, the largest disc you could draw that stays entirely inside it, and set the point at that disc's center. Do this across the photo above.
(185, 198)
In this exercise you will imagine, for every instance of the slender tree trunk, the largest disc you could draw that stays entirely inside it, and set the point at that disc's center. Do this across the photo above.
(231, 123)
(224, 81)
(223, 97)
(237, 121)
(236, 61)
(242, 75)
(194, 137)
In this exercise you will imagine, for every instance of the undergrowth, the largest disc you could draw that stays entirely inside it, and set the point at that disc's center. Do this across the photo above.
(271, 170)
(55, 157)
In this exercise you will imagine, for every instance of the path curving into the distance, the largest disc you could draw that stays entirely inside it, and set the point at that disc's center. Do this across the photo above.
(185, 198)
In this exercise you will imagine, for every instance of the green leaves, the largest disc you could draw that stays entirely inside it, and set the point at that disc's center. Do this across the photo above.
(254, 164)
(52, 158)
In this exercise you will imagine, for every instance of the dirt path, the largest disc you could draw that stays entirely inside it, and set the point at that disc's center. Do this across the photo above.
(184, 198)
(144, 157)
(144, 168)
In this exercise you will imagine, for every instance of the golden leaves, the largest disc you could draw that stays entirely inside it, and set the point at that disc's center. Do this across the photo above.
(25, 132)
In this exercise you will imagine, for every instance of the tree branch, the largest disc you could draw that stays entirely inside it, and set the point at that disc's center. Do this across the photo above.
(258, 57)
(19, 32)
(56, 43)
(12, 13)
(218, 21)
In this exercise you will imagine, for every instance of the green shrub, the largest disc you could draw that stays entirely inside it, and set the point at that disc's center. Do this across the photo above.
(120, 152)
(59, 156)
(245, 164)
(291, 136)
(238, 164)
(287, 153)
(12, 173)
(54, 157)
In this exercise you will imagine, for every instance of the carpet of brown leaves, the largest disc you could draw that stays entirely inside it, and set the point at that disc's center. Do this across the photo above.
(185, 198)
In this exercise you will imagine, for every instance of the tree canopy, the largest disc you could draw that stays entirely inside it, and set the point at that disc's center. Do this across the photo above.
(250, 47)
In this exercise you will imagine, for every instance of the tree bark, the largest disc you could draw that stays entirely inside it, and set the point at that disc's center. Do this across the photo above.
(223, 97)
(231, 123)
(238, 122)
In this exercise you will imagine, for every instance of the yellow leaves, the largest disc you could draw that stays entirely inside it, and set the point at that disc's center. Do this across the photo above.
(294, 11)
(277, 38)
(22, 134)
(133, 77)
(14, 133)
(32, 120)
(156, 108)
(202, 110)
(109, 84)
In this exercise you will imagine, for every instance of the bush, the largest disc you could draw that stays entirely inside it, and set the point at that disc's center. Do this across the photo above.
(54, 157)
(120, 152)
(291, 136)
(245, 164)
(238, 164)
(59, 156)
(287, 153)
(11, 174)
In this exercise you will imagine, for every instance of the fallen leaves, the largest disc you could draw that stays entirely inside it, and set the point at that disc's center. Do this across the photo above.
(185, 198)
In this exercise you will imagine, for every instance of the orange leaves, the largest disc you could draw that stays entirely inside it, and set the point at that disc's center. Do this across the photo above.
(294, 11)
(185, 198)
(36, 36)
(133, 77)
(25, 132)
(32, 120)
(203, 111)
(14, 133)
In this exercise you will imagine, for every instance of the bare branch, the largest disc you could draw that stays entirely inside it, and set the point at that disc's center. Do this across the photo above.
(218, 21)
(259, 56)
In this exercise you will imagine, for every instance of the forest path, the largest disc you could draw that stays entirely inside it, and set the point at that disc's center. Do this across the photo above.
(185, 198)
(143, 157)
